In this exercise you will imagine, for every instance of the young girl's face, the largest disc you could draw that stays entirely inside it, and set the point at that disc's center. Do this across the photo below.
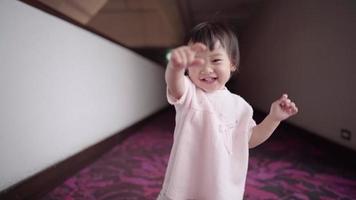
(216, 70)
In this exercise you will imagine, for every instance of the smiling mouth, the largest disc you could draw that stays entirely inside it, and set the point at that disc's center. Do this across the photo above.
(208, 79)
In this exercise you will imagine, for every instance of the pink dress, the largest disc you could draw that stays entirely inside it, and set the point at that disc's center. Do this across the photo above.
(209, 157)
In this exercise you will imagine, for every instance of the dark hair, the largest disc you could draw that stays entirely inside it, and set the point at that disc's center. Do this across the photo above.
(209, 33)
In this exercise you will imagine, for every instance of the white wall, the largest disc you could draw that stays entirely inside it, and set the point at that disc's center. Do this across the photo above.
(308, 49)
(64, 89)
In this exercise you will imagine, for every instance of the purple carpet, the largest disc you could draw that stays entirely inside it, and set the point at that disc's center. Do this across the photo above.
(291, 165)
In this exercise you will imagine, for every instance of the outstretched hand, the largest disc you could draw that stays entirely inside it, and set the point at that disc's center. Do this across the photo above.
(185, 56)
(283, 108)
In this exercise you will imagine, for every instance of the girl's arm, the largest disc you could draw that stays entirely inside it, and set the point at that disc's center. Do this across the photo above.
(280, 110)
(175, 80)
(181, 58)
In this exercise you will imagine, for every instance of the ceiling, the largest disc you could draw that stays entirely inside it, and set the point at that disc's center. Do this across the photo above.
(148, 27)
(160, 24)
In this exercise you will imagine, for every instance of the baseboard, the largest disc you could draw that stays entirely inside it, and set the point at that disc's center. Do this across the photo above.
(40, 184)
(342, 152)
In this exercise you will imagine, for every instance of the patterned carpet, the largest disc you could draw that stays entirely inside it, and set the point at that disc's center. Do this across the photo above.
(291, 165)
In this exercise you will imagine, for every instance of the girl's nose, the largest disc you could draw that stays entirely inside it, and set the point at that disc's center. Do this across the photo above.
(206, 70)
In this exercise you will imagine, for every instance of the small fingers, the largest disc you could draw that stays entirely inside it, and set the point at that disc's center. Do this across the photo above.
(291, 108)
(179, 58)
(287, 105)
(176, 58)
(185, 56)
(197, 62)
(284, 102)
(189, 56)
(198, 47)
(282, 99)
(292, 105)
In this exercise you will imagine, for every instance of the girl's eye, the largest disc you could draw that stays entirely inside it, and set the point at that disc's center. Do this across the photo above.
(216, 60)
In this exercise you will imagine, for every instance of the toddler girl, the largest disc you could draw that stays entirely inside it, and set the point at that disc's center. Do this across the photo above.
(214, 128)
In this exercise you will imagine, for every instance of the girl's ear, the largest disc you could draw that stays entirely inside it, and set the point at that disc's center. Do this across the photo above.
(233, 67)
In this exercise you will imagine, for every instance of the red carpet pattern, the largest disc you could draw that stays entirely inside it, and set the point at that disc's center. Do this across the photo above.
(290, 165)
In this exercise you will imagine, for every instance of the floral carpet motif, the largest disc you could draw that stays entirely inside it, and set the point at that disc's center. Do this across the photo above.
(292, 164)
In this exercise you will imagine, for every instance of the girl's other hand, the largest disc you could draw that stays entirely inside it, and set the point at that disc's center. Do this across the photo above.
(283, 108)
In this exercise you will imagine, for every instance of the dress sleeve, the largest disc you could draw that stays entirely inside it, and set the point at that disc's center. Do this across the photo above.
(251, 123)
(187, 94)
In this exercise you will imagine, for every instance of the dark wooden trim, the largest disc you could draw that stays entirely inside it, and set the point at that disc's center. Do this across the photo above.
(155, 54)
(343, 153)
(41, 6)
(40, 184)
(144, 51)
